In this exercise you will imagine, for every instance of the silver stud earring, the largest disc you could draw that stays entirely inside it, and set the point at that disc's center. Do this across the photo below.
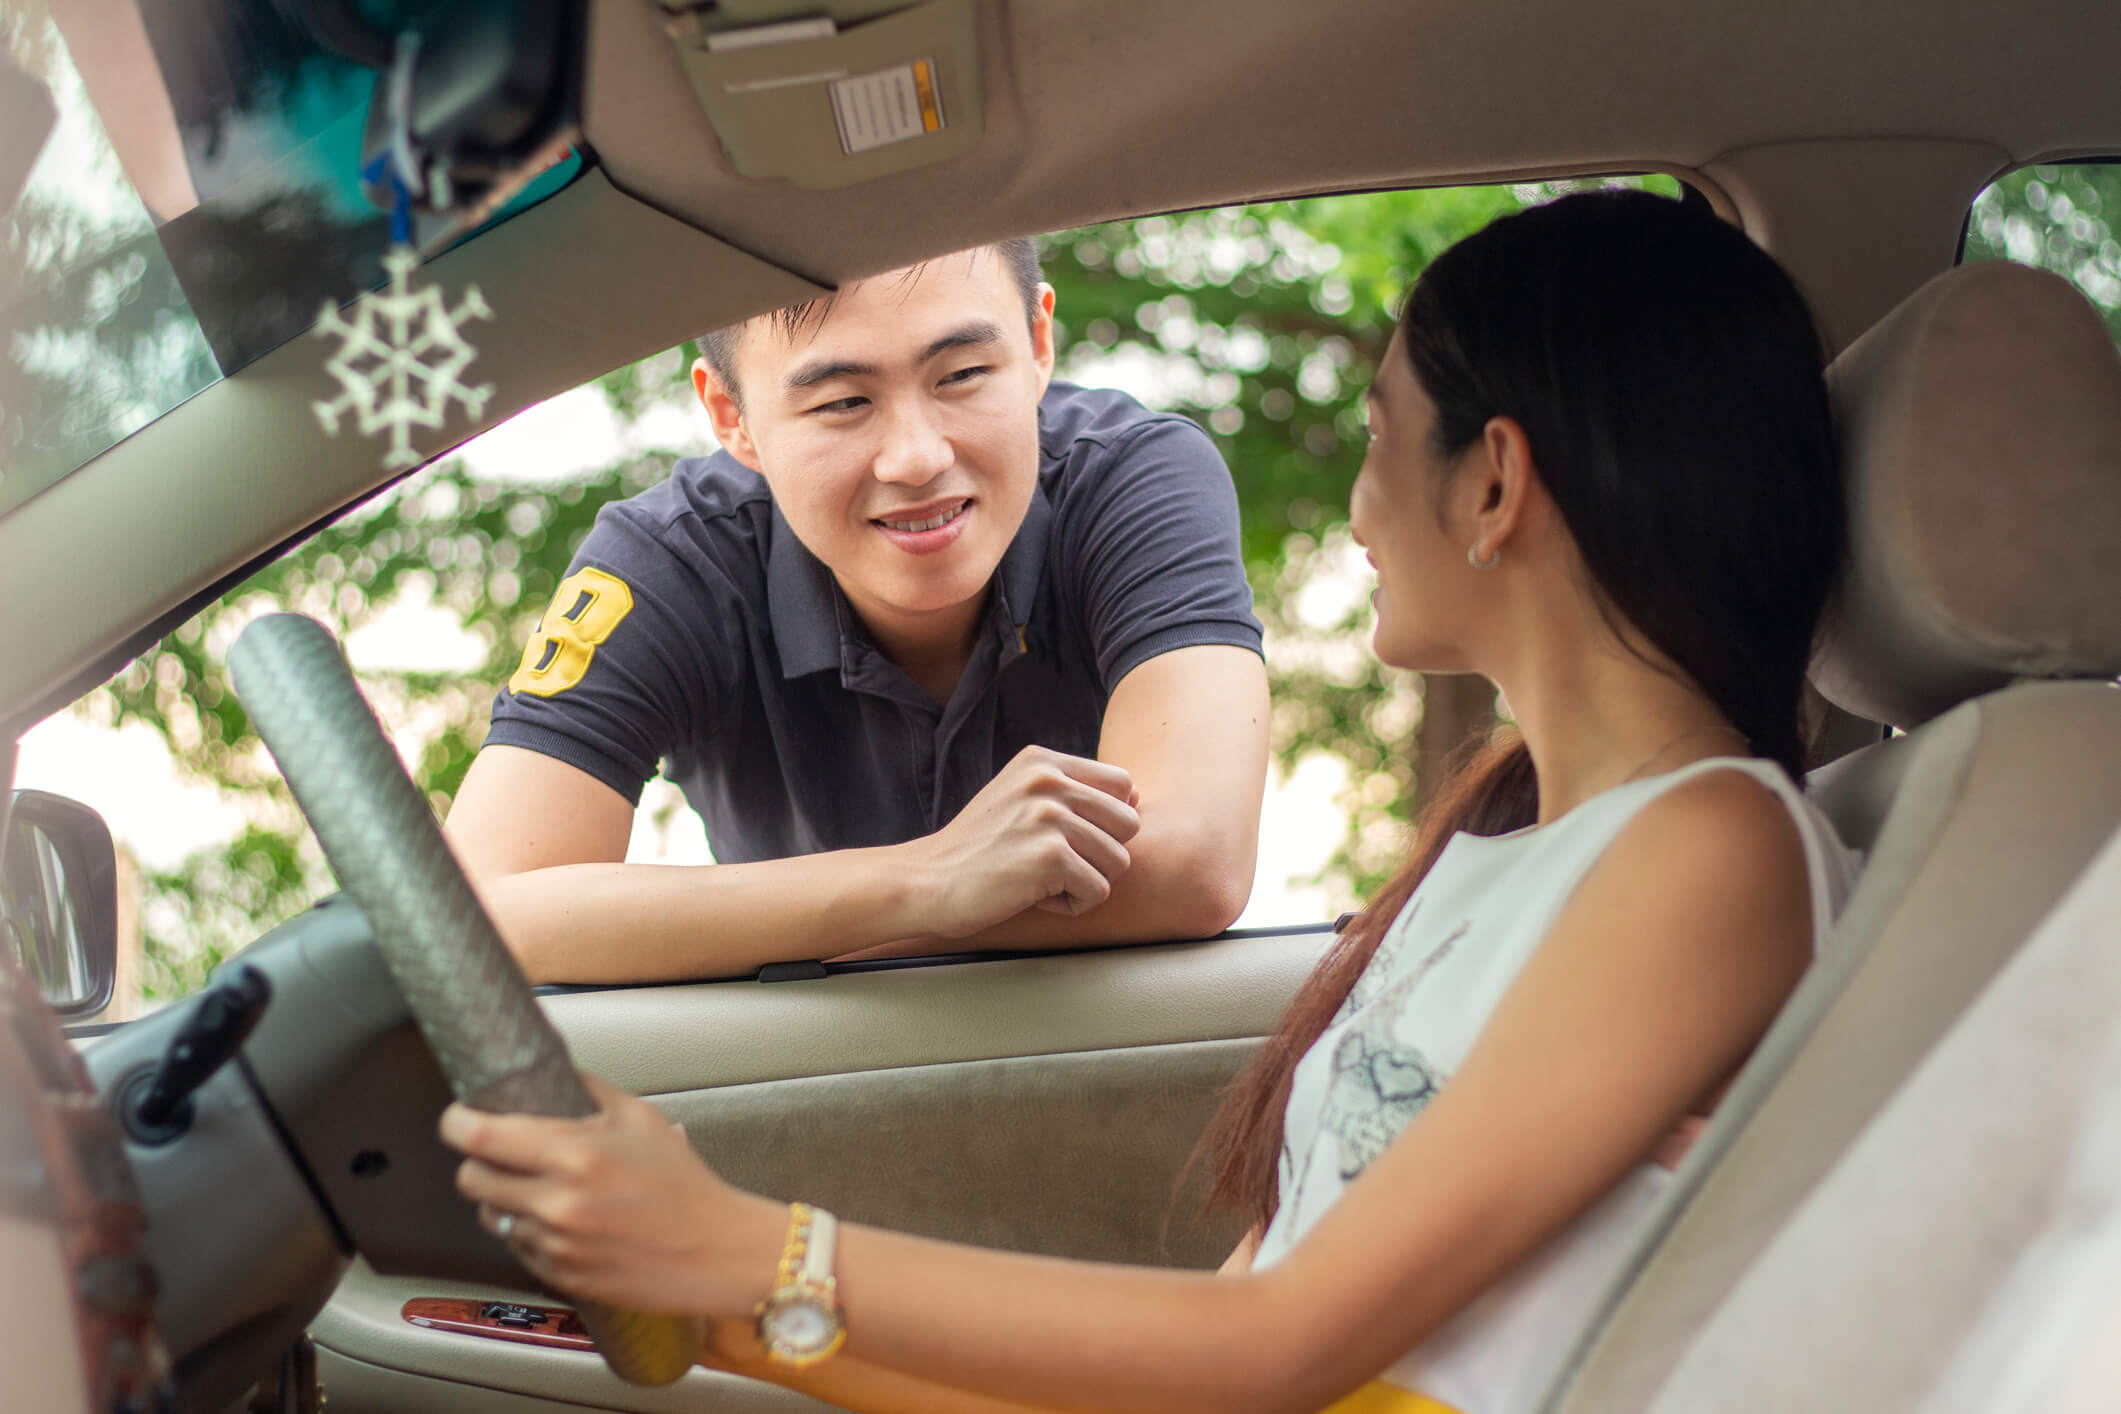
(1473, 558)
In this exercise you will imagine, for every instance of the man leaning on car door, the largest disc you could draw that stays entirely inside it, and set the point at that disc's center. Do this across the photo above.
(945, 654)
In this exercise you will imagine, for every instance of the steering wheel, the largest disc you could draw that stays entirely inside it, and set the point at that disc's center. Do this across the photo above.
(463, 987)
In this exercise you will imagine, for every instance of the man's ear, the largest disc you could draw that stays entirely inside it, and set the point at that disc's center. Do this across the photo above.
(725, 413)
(1042, 336)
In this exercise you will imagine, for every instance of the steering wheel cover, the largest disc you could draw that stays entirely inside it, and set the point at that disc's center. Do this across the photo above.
(462, 985)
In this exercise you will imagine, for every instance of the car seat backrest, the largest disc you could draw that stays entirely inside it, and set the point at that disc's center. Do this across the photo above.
(1981, 425)
(1937, 1257)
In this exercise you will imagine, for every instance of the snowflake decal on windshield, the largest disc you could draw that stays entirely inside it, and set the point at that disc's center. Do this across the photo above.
(401, 361)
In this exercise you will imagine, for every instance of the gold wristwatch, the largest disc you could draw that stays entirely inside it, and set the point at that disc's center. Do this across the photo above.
(799, 1321)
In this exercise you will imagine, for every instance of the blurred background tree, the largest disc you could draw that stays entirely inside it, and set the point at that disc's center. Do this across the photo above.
(487, 553)
(2060, 218)
(1264, 323)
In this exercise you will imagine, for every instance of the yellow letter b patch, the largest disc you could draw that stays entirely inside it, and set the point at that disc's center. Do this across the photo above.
(585, 609)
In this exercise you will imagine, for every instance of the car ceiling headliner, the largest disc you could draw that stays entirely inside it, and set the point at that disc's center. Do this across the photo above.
(1103, 108)
(1098, 109)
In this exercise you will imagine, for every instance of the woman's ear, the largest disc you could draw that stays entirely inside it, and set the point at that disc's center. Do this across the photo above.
(1503, 485)
(725, 412)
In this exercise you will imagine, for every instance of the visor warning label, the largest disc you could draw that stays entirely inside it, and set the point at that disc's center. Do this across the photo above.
(890, 105)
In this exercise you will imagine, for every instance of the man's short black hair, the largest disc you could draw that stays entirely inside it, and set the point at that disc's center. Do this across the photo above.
(718, 347)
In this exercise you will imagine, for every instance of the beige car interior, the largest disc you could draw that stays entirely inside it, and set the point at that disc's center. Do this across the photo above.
(1982, 423)
(1049, 1104)
(1041, 1104)
(1957, 625)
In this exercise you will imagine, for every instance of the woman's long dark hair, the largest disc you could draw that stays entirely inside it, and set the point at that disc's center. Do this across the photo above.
(1668, 378)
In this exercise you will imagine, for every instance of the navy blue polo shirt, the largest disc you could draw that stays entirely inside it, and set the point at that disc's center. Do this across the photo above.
(695, 634)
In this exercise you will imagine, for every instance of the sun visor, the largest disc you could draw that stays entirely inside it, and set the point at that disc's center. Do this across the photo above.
(827, 100)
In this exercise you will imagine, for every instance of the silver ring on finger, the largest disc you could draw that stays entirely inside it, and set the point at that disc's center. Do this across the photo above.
(504, 1225)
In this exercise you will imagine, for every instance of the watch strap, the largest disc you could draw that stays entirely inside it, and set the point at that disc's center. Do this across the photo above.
(804, 1278)
(821, 1247)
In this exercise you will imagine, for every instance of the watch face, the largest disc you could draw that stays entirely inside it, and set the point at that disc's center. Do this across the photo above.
(800, 1327)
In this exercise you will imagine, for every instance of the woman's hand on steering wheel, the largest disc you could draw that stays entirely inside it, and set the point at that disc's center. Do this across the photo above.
(617, 1207)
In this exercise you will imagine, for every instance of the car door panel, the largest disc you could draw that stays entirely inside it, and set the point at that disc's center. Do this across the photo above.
(1071, 1155)
(370, 1361)
(1044, 1104)
(663, 1039)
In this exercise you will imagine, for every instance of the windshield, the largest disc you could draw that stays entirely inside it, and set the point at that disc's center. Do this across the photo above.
(197, 205)
(99, 336)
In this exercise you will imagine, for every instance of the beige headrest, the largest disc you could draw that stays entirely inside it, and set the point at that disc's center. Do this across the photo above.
(1981, 426)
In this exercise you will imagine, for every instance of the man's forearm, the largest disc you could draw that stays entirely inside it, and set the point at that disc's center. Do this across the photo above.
(659, 922)
(1180, 883)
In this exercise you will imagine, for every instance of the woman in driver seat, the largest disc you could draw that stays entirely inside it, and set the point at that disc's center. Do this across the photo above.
(1602, 475)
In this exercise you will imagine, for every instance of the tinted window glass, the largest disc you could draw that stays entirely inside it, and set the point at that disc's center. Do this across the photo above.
(2062, 218)
(97, 338)
(205, 223)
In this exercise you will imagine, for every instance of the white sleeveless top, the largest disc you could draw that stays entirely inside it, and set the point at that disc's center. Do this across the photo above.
(1443, 966)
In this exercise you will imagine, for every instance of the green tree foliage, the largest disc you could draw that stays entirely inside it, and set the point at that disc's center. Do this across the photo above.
(489, 553)
(2060, 218)
(1264, 323)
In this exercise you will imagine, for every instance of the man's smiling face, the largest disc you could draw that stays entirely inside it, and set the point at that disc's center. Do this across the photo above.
(899, 433)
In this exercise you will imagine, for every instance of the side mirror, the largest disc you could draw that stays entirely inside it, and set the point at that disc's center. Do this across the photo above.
(59, 900)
